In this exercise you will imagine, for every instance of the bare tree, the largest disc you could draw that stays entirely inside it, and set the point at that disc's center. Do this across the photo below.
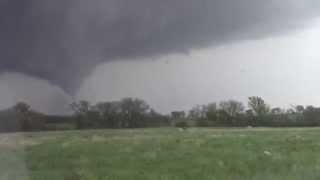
(258, 106)
(232, 107)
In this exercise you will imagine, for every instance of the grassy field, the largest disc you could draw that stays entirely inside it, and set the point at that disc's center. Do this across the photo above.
(162, 154)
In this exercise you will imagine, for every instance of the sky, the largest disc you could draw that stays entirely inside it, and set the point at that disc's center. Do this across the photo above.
(283, 70)
(172, 53)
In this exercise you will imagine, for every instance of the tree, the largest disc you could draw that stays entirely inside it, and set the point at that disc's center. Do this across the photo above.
(178, 117)
(229, 111)
(22, 107)
(311, 116)
(197, 113)
(212, 112)
(110, 113)
(134, 112)
(29, 120)
(299, 109)
(81, 107)
(81, 111)
(258, 106)
(127, 113)
(232, 107)
(277, 111)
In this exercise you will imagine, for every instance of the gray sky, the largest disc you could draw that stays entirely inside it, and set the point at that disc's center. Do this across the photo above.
(173, 53)
(283, 70)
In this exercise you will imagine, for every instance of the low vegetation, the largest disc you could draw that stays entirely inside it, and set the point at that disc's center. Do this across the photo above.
(165, 153)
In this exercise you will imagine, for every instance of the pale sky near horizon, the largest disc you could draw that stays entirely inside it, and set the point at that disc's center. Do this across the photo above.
(283, 69)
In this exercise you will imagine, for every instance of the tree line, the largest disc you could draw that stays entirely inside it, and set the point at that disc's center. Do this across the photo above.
(136, 113)
(258, 113)
(126, 113)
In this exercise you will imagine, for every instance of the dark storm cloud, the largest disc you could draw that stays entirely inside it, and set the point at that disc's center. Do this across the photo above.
(62, 41)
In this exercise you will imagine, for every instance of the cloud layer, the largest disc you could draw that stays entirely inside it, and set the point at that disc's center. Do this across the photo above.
(62, 41)
(282, 70)
(41, 95)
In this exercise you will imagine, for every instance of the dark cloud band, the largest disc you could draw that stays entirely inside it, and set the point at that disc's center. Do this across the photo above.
(62, 41)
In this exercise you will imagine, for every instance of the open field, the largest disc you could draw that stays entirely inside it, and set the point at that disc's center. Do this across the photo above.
(162, 154)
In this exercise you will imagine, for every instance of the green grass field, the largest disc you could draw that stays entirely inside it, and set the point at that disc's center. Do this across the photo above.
(162, 154)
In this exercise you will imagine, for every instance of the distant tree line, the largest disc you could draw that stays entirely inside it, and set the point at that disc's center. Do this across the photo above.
(258, 114)
(127, 113)
(136, 113)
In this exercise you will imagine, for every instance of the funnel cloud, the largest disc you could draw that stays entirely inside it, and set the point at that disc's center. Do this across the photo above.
(62, 41)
